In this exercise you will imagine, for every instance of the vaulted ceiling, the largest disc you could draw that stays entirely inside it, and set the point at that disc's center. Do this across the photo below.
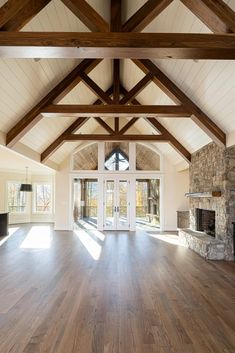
(178, 104)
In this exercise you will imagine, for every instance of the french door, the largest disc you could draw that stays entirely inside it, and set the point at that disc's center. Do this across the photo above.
(116, 204)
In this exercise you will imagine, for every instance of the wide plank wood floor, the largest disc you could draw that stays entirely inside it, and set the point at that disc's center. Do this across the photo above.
(92, 292)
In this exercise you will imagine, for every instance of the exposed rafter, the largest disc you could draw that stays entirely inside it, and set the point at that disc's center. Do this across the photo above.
(115, 26)
(95, 88)
(126, 127)
(116, 89)
(116, 16)
(62, 110)
(58, 142)
(116, 80)
(55, 145)
(56, 94)
(137, 89)
(104, 125)
(215, 14)
(15, 14)
(171, 139)
(117, 45)
(174, 92)
(161, 129)
(87, 15)
(146, 14)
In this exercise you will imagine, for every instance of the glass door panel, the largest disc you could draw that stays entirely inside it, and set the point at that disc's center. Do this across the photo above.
(122, 193)
(116, 205)
(110, 204)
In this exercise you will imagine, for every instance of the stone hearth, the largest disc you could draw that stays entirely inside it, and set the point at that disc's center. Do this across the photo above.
(212, 169)
(205, 245)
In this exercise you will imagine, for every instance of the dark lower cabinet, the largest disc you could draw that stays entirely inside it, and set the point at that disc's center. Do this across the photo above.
(3, 224)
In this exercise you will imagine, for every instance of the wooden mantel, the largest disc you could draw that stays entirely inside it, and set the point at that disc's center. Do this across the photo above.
(204, 194)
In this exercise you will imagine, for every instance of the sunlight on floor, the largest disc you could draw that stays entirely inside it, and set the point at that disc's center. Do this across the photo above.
(93, 248)
(98, 234)
(147, 226)
(39, 237)
(91, 230)
(11, 231)
(85, 224)
(168, 238)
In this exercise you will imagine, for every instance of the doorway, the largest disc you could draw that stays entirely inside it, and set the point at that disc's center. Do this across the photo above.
(85, 205)
(116, 204)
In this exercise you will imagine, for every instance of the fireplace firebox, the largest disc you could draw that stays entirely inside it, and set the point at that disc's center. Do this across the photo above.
(205, 221)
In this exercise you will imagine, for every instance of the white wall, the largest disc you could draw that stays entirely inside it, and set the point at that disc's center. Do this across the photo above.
(175, 185)
(62, 197)
(29, 215)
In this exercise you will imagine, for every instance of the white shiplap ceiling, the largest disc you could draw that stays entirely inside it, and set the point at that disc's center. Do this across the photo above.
(210, 84)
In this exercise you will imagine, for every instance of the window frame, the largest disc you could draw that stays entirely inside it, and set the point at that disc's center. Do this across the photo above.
(7, 196)
(117, 151)
(34, 196)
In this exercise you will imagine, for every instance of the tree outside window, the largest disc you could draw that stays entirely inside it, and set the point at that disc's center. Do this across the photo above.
(42, 198)
(16, 198)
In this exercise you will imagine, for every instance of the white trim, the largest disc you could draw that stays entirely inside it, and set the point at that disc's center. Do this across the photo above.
(101, 156)
(132, 156)
(132, 174)
(101, 177)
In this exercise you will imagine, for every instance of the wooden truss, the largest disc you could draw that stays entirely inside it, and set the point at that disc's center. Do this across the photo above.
(112, 42)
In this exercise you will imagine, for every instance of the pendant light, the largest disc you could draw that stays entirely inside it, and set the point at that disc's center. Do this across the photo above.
(26, 187)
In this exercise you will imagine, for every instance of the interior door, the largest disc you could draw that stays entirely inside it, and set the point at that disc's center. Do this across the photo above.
(116, 204)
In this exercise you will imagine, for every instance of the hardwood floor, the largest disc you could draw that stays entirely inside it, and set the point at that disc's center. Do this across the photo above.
(112, 293)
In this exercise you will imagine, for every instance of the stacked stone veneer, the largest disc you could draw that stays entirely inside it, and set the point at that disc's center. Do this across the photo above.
(213, 168)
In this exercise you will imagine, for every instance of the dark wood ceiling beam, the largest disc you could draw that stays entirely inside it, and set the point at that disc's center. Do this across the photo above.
(116, 26)
(86, 13)
(126, 127)
(116, 89)
(146, 14)
(95, 88)
(117, 45)
(15, 14)
(10, 9)
(116, 80)
(59, 141)
(56, 94)
(172, 140)
(97, 137)
(62, 110)
(215, 14)
(161, 129)
(174, 92)
(55, 145)
(116, 16)
(102, 123)
(137, 89)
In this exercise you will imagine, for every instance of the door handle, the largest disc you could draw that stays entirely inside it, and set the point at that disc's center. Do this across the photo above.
(117, 208)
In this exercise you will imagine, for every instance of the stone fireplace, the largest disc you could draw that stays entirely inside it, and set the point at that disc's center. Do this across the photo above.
(212, 169)
(205, 221)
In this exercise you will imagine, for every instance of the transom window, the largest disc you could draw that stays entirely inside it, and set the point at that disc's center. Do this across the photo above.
(117, 160)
